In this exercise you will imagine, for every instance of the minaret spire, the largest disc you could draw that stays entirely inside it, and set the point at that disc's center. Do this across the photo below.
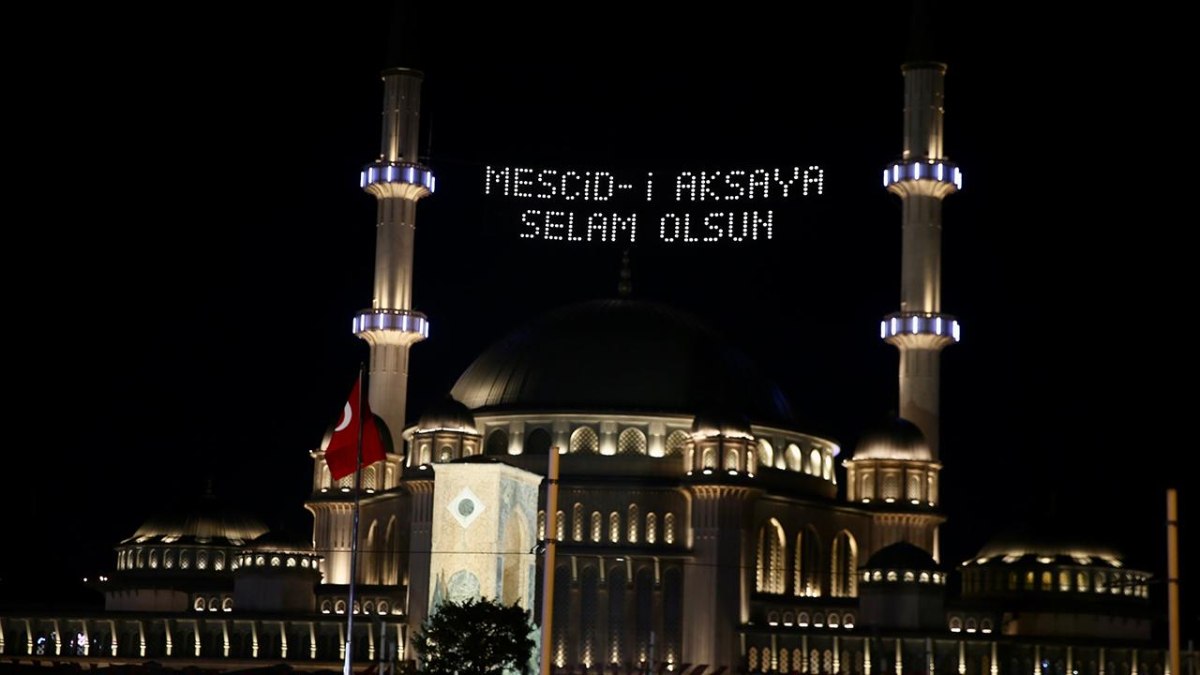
(922, 178)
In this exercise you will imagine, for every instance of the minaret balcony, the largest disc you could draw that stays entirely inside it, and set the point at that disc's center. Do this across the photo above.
(392, 320)
(900, 324)
(938, 171)
(415, 175)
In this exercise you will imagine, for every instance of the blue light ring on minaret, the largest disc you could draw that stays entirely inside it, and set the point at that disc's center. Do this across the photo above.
(394, 320)
(939, 171)
(417, 175)
(944, 326)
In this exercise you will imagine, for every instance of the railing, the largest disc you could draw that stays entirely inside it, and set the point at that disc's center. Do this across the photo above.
(919, 323)
(941, 171)
(397, 172)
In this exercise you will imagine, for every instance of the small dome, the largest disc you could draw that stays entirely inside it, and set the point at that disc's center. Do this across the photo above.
(716, 424)
(1047, 540)
(280, 543)
(902, 555)
(448, 414)
(896, 438)
(207, 519)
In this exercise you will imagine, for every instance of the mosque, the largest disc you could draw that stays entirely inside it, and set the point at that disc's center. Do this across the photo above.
(697, 529)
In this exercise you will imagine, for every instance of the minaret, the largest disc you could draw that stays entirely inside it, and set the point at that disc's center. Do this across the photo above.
(390, 326)
(397, 180)
(922, 177)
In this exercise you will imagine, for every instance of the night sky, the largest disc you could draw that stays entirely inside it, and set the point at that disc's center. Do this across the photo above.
(194, 245)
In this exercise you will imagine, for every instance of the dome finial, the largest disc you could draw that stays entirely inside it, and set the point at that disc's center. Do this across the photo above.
(625, 285)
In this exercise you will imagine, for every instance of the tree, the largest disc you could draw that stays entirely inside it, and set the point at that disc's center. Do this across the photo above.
(475, 637)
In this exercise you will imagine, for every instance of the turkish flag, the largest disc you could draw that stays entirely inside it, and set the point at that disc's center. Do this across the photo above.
(342, 451)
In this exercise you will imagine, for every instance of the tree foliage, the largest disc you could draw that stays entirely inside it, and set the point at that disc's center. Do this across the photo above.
(475, 637)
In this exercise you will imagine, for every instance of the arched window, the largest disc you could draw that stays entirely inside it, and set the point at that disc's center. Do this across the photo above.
(1047, 581)
(446, 453)
(807, 580)
(633, 519)
(891, 486)
(369, 607)
(153, 559)
(955, 624)
(185, 560)
(339, 607)
(584, 439)
(985, 625)
(971, 625)
(560, 526)
(795, 459)
(537, 442)
(766, 454)
(814, 462)
(219, 561)
(326, 479)
(1029, 580)
(169, 559)
(227, 604)
(866, 485)
(1081, 581)
(844, 582)
(632, 441)
(751, 461)
(651, 528)
(892, 576)
(771, 576)
(577, 522)
(1100, 581)
(383, 607)
(198, 605)
(614, 527)
(368, 478)
(669, 528)
(709, 458)
(731, 460)
(497, 443)
(541, 524)
(1064, 580)
(827, 467)
(676, 441)
(597, 524)
(914, 487)
(617, 640)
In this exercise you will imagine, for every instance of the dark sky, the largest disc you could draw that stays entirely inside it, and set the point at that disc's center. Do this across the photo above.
(195, 243)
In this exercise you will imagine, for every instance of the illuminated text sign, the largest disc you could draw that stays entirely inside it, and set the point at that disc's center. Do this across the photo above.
(684, 207)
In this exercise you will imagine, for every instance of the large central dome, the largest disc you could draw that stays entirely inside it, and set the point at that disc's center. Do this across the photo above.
(619, 355)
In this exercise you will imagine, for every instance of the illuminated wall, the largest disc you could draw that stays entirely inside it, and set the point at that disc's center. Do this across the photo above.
(484, 529)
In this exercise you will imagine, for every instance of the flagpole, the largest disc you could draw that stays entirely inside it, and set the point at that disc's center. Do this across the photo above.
(346, 666)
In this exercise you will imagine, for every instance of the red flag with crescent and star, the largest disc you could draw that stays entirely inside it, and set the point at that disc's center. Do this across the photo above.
(342, 452)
